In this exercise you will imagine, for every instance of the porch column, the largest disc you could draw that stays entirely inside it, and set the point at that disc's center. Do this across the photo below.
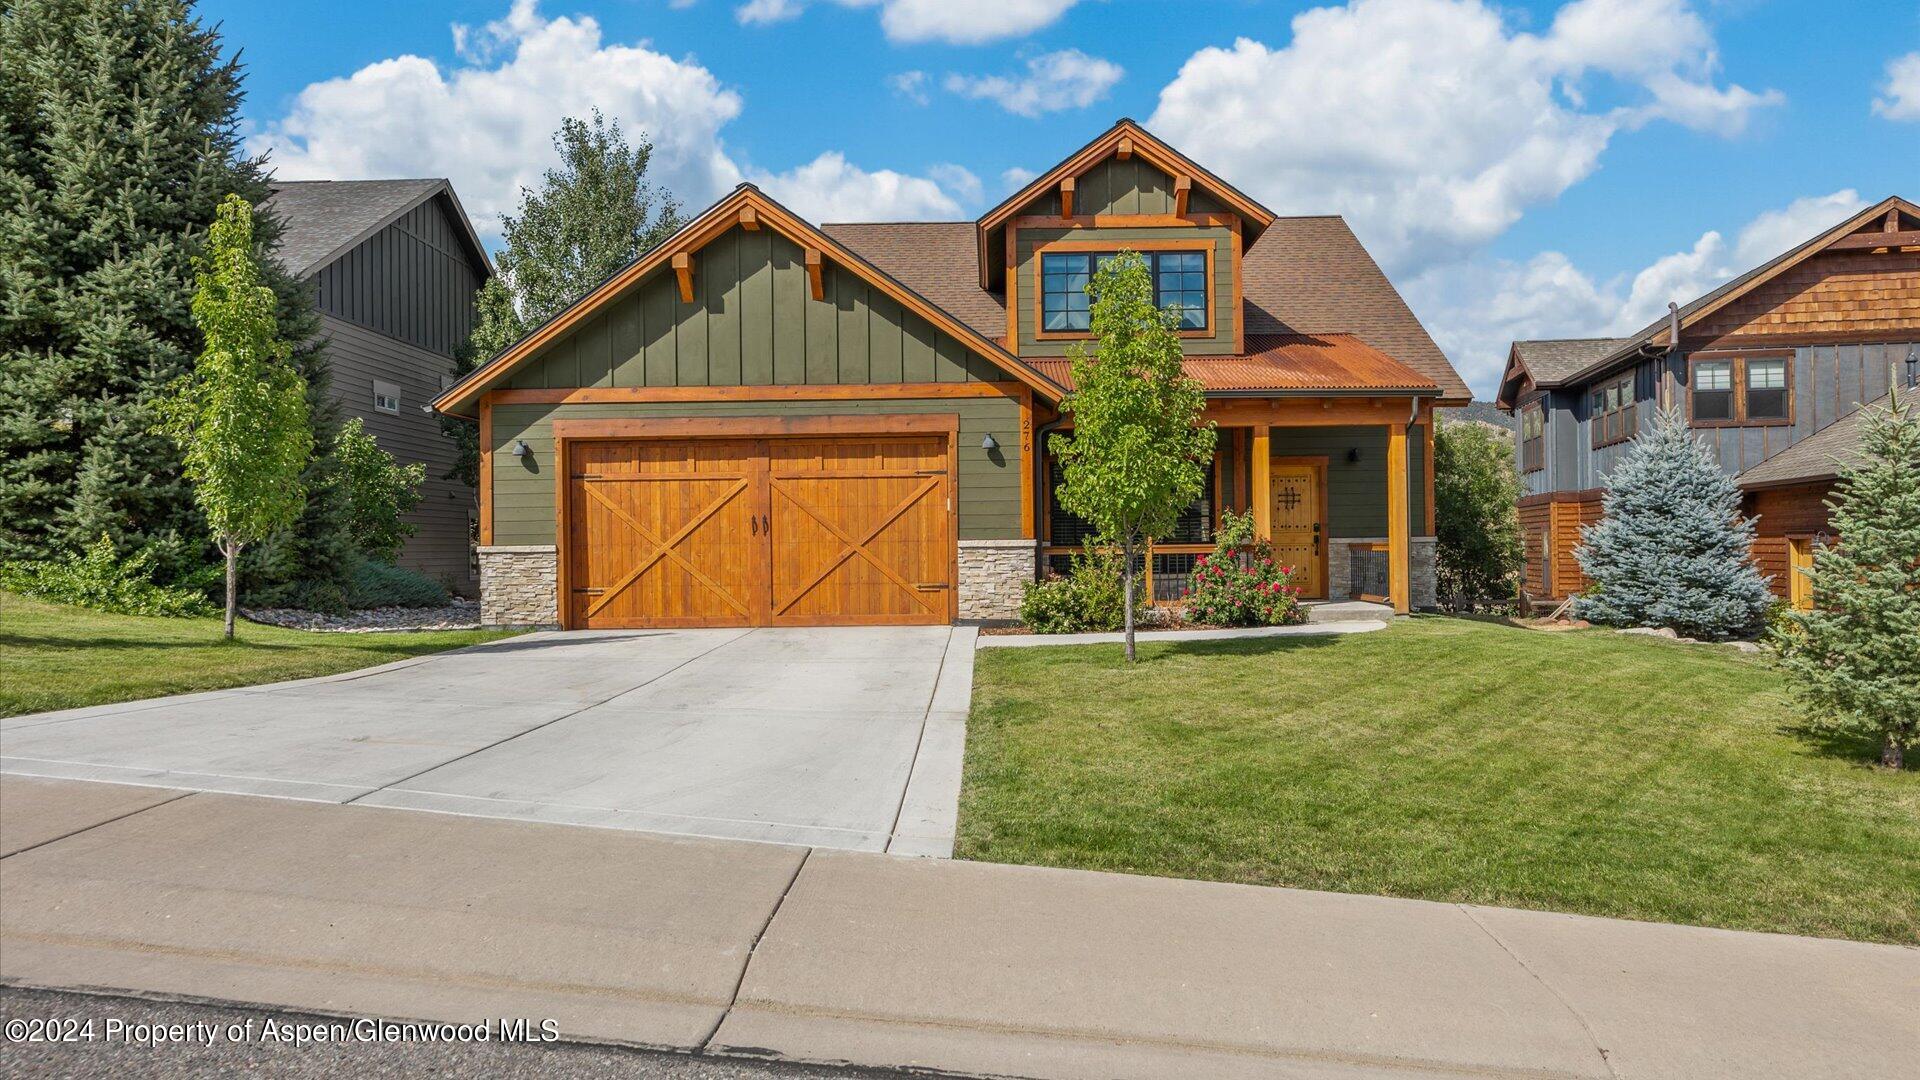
(1262, 493)
(1398, 525)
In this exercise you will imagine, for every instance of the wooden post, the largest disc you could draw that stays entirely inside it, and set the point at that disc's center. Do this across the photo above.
(1399, 567)
(1262, 493)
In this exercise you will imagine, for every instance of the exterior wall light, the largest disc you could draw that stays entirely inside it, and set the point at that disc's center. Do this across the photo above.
(988, 443)
(1353, 454)
(519, 448)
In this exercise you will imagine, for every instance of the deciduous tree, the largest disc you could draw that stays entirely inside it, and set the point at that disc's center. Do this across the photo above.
(1478, 527)
(241, 415)
(1139, 446)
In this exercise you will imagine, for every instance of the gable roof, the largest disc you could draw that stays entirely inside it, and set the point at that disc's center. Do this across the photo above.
(1303, 276)
(1823, 454)
(1282, 363)
(728, 213)
(1128, 137)
(322, 220)
(1549, 362)
(1892, 209)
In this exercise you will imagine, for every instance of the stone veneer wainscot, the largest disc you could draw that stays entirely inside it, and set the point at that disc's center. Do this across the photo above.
(993, 577)
(519, 585)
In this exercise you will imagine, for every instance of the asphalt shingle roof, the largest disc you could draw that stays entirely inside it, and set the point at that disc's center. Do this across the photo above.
(1553, 361)
(1302, 276)
(325, 218)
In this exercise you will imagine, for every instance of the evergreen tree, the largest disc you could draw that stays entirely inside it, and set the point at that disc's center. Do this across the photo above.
(118, 139)
(1475, 491)
(1671, 548)
(592, 216)
(1856, 655)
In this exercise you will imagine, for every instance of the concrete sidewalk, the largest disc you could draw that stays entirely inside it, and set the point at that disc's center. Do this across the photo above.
(841, 956)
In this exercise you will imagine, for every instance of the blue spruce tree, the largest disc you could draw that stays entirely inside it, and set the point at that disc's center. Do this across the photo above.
(1672, 549)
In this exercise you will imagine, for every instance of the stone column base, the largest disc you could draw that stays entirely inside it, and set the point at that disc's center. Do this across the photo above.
(519, 585)
(993, 577)
(1422, 585)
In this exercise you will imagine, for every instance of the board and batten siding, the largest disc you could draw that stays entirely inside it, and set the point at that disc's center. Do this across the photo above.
(752, 322)
(413, 280)
(988, 487)
(1829, 382)
(1222, 339)
(1122, 187)
(1357, 490)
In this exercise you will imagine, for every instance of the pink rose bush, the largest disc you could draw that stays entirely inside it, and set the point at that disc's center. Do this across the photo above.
(1243, 588)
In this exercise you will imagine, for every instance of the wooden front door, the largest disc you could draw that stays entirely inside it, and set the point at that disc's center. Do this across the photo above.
(1300, 521)
(758, 532)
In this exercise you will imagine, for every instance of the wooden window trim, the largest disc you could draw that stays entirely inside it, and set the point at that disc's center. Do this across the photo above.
(1537, 405)
(1596, 421)
(1061, 247)
(1739, 361)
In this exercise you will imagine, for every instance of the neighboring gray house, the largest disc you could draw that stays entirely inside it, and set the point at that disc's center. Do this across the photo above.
(396, 265)
(1761, 367)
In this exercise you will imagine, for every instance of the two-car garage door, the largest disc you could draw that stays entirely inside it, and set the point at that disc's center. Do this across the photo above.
(759, 531)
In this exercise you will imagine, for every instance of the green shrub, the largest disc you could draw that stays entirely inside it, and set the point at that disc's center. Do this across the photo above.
(379, 492)
(99, 578)
(1090, 598)
(1239, 584)
(378, 584)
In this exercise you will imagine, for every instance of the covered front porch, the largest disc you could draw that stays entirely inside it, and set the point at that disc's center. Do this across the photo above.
(1340, 487)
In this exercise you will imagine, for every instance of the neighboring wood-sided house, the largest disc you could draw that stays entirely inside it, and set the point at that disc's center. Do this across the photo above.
(1770, 369)
(395, 266)
(765, 421)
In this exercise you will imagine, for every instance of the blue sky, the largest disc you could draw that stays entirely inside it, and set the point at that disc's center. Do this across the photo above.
(1530, 169)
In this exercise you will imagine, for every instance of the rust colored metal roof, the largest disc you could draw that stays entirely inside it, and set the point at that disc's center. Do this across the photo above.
(1287, 363)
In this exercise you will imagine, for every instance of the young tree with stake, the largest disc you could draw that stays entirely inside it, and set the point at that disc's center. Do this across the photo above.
(1138, 449)
(241, 415)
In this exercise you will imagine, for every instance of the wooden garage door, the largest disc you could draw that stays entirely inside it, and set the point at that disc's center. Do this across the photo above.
(757, 532)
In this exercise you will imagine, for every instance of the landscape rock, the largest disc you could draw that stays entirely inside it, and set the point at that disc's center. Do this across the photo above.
(458, 615)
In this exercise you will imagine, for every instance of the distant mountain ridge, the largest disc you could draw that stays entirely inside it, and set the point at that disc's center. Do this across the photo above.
(1485, 412)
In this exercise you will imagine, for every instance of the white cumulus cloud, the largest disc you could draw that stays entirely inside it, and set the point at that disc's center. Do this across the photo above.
(487, 123)
(1067, 79)
(911, 85)
(970, 23)
(1900, 92)
(1432, 124)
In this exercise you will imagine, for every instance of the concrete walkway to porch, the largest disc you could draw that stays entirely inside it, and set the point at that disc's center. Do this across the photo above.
(726, 947)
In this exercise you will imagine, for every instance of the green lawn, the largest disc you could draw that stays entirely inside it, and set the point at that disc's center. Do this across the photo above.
(55, 657)
(1451, 760)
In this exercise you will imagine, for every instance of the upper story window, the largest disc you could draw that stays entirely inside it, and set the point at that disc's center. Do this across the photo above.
(1533, 437)
(1614, 416)
(386, 397)
(1741, 390)
(1179, 281)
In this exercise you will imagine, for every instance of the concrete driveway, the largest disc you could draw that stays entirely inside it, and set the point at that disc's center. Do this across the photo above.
(833, 737)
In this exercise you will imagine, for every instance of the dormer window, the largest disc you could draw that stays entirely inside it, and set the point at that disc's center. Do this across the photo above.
(1179, 280)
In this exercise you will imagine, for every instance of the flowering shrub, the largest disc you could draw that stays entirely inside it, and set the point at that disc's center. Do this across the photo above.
(1240, 585)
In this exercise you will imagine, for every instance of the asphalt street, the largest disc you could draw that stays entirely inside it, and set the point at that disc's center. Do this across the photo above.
(123, 1060)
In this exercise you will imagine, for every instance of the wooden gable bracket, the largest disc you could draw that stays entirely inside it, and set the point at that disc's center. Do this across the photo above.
(1066, 197)
(815, 283)
(749, 219)
(683, 272)
(1125, 150)
(1182, 189)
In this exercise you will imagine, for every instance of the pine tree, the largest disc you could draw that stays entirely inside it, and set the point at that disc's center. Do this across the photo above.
(1856, 656)
(1671, 549)
(118, 139)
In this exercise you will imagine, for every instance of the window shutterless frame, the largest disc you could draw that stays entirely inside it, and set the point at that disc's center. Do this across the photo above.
(1094, 251)
(1613, 413)
(1753, 388)
(1533, 436)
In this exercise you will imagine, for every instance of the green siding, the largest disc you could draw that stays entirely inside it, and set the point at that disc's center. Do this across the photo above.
(988, 488)
(1357, 491)
(753, 322)
(1226, 314)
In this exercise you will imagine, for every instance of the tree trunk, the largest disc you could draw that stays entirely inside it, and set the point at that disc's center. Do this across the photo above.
(1893, 754)
(1126, 578)
(232, 549)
